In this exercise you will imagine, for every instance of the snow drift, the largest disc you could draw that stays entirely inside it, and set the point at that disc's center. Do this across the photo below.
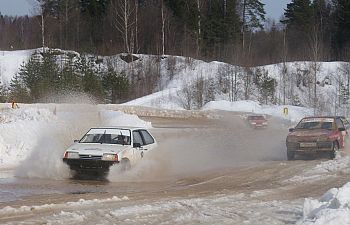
(333, 208)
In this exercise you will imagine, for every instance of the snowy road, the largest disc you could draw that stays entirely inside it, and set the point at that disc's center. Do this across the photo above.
(206, 171)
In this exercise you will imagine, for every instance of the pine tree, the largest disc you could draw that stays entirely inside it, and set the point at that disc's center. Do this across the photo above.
(342, 21)
(91, 80)
(253, 17)
(18, 91)
(116, 85)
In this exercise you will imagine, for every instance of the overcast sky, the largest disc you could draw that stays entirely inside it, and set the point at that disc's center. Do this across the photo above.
(274, 8)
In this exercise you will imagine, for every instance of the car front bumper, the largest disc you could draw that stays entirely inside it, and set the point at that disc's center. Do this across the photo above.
(309, 147)
(89, 165)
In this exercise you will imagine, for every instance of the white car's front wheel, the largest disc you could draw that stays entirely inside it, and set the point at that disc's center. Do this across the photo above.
(125, 164)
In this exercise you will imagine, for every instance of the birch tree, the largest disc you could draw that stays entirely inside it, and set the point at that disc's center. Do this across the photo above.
(124, 22)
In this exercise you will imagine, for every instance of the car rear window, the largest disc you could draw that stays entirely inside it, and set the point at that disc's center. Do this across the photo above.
(256, 118)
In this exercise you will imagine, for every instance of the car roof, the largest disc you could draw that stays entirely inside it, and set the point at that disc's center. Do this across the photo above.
(309, 117)
(120, 128)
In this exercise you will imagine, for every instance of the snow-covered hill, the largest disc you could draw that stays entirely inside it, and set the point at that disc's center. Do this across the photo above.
(178, 76)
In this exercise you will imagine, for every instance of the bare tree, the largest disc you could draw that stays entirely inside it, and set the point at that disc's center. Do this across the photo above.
(163, 28)
(123, 21)
(199, 32)
(315, 47)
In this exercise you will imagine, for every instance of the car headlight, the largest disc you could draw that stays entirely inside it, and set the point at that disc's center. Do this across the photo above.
(71, 155)
(110, 157)
(323, 138)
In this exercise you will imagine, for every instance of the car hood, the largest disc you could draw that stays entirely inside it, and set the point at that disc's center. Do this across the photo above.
(97, 149)
(310, 133)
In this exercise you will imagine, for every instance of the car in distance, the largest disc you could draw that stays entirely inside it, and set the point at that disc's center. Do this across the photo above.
(100, 148)
(314, 135)
(257, 121)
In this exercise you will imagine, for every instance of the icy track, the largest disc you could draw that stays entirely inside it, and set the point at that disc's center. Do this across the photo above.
(217, 209)
(34, 137)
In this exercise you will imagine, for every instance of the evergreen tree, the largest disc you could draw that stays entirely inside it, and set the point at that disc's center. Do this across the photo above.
(221, 25)
(70, 80)
(116, 85)
(18, 91)
(91, 80)
(342, 22)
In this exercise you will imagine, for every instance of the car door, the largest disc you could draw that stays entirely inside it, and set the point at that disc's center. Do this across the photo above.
(146, 140)
(138, 152)
(149, 142)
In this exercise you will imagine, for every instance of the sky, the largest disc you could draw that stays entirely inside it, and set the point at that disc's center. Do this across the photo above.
(273, 8)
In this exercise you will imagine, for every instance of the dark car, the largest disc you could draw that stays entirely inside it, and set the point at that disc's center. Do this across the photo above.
(314, 135)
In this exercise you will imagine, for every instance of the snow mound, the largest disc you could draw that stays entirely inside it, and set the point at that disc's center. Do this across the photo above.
(295, 113)
(323, 170)
(333, 208)
(33, 138)
(10, 62)
(9, 115)
(120, 119)
(19, 131)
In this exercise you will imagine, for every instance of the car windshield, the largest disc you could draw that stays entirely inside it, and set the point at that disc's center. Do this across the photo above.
(107, 136)
(315, 123)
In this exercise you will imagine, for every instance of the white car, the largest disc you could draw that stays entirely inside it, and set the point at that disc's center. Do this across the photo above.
(100, 148)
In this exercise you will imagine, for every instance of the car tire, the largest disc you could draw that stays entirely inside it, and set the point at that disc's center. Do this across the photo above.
(125, 164)
(335, 148)
(290, 155)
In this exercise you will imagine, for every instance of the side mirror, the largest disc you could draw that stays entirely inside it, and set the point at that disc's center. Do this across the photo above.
(341, 129)
(137, 145)
(291, 129)
(75, 141)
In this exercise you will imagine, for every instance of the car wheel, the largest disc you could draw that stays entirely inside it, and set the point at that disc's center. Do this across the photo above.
(335, 148)
(290, 155)
(125, 164)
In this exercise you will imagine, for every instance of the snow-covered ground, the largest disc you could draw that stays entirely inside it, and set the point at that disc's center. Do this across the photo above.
(333, 208)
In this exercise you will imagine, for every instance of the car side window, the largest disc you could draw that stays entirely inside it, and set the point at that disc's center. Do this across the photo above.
(147, 137)
(339, 123)
(137, 137)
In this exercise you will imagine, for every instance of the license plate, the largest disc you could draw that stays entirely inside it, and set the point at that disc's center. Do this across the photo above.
(307, 144)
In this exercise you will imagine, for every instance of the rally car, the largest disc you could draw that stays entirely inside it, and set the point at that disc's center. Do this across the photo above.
(102, 147)
(315, 135)
(257, 121)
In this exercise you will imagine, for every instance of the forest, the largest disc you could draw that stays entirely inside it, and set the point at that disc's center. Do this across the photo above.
(233, 31)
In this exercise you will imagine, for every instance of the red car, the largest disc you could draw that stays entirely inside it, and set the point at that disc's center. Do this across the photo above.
(257, 121)
(314, 135)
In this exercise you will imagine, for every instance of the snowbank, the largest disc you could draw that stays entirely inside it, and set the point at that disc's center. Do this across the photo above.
(333, 208)
(323, 170)
(115, 118)
(10, 62)
(295, 113)
(33, 138)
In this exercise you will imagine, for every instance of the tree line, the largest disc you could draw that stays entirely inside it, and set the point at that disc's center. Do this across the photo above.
(234, 31)
(52, 73)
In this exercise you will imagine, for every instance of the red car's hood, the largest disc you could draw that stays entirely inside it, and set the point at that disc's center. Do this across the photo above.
(310, 133)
